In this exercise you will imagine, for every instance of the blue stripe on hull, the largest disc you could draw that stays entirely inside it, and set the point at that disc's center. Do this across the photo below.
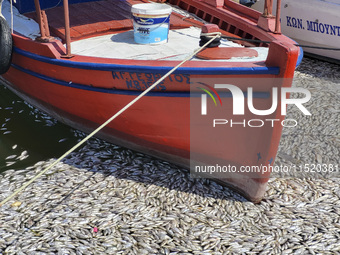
(126, 92)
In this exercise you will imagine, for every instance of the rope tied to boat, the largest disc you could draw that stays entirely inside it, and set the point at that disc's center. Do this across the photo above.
(211, 34)
(12, 18)
(232, 38)
(107, 121)
(205, 37)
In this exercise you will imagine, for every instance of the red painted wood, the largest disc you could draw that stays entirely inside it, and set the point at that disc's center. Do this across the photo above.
(239, 9)
(215, 3)
(210, 28)
(226, 53)
(52, 49)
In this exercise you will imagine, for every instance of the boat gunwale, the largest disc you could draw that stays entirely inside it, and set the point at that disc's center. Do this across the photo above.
(192, 67)
(206, 70)
(256, 94)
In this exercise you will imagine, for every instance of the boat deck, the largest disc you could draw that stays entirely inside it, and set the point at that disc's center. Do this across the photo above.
(181, 42)
(105, 29)
(99, 18)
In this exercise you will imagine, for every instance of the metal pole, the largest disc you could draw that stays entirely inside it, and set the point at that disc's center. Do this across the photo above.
(67, 30)
(278, 17)
(40, 19)
(43, 23)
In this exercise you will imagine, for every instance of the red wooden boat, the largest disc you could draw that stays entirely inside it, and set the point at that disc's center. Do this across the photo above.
(105, 71)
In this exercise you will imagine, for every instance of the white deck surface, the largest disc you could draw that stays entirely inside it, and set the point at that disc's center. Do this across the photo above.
(181, 42)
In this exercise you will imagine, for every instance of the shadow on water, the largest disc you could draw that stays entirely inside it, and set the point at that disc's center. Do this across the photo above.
(28, 135)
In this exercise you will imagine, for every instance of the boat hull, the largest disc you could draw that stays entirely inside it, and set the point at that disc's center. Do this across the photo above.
(158, 124)
(84, 92)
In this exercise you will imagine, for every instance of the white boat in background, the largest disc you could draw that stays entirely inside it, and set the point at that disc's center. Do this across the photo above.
(311, 22)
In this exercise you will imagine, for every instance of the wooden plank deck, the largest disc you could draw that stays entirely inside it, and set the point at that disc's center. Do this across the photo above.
(101, 17)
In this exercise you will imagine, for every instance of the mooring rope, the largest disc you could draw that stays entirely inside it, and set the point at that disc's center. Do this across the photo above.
(12, 19)
(106, 122)
(12, 22)
(231, 38)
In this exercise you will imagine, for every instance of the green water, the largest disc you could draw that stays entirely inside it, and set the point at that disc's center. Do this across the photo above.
(28, 135)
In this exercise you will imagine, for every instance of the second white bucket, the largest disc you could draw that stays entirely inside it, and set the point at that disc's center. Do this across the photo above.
(151, 23)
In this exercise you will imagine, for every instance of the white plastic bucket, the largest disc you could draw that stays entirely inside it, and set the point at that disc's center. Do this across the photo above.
(151, 23)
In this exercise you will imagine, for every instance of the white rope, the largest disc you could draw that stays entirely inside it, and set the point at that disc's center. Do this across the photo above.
(12, 15)
(105, 123)
(1, 8)
(216, 34)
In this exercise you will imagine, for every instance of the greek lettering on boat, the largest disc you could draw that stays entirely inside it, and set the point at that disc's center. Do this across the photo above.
(141, 81)
(313, 26)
